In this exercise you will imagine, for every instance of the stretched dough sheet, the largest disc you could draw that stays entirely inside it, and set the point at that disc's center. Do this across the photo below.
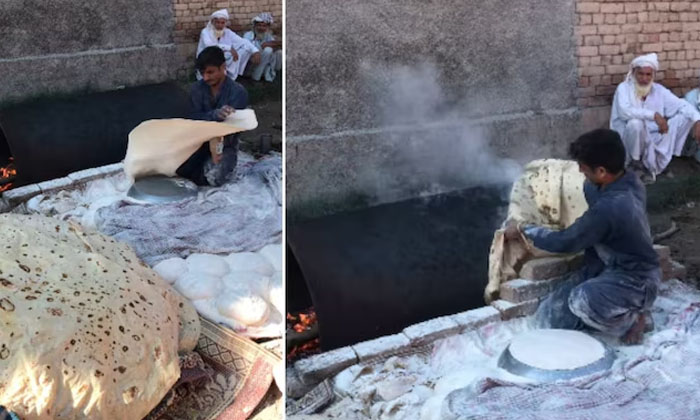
(161, 146)
(548, 193)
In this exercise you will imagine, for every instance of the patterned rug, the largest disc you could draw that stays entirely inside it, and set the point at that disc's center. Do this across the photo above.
(240, 375)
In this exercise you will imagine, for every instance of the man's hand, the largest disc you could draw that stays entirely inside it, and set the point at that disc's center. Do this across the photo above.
(512, 232)
(275, 45)
(224, 112)
(255, 58)
(234, 54)
(661, 122)
(696, 132)
(214, 149)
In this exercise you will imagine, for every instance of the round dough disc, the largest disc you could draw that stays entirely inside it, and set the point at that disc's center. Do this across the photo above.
(553, 349)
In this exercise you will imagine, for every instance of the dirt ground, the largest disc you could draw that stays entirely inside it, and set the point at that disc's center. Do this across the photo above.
(677, 199)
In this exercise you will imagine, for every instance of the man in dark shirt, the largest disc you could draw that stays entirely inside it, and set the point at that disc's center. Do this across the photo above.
(214, 98)
(619, 279)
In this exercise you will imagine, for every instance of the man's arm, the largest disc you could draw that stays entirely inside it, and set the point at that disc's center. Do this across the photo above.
(198, 110)
(628, 110)
(587, 231)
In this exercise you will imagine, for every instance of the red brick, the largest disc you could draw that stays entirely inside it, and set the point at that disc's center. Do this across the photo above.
(612, 8)
(592, 40)
(586, 7)
(651, 48)
(587, 51)
(617, 69)
(609, 49)
(635, 7)
(680, 6)
(660, 6)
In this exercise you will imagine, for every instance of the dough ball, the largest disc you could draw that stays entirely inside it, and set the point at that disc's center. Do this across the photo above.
(212, 265)
(276, 292)
(198, 286)
(273, 253)
(246, 281)
(250, 261)
(248, 309)
(171, 269)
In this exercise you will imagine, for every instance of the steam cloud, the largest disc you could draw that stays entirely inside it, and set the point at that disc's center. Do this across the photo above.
(431, 145)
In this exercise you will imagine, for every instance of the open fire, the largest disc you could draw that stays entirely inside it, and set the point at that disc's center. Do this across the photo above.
(7, 175)
(302, 335)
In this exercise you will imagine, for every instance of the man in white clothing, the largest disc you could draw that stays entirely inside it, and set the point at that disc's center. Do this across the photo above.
(261, 36)
(238, 51)
(653, 122)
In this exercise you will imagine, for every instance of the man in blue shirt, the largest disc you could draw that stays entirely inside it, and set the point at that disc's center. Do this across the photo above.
(214, 98)
(619, 279)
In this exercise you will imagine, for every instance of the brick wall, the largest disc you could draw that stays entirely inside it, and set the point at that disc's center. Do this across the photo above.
(192, 15)
(609, 34)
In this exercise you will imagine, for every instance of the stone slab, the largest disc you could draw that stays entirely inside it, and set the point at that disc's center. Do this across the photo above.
(85, 175)
(428, 331)
(509, 310)
(315, 369)
(381, 347)
(19, 195)
(544, 268)
(294, 386)
(521, 290)
(55, 184)
(476, 318)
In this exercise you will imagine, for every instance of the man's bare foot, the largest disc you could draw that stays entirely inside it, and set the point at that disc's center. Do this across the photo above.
(635, 334)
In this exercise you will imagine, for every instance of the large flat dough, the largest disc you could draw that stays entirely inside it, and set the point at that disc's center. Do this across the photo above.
(553, 349)
(161, 146)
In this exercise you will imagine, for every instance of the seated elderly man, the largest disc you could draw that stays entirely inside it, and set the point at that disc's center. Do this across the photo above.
(692, 148)
(261, 36)
(652, 121)
(238, 51)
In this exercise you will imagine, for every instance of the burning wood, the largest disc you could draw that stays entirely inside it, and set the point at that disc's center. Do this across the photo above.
(7, 175)
(302, 335)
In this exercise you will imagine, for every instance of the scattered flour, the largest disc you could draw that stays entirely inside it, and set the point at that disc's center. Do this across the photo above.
(418, 386)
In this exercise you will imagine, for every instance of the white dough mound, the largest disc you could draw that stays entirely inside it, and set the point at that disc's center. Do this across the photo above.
(212, 265)
(273, 253)
(554, 349)
(171, 269)
(196, 286)
(243, 306)
(87, 331)
(250, 261)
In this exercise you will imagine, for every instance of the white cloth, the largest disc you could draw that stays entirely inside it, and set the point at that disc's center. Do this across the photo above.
(648, 60)
(264, 17)
(633, 119)
(220, 14)
(229, 40)
(270, 60)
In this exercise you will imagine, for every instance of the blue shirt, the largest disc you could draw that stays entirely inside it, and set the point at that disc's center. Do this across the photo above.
(614, 230)
(204, 105)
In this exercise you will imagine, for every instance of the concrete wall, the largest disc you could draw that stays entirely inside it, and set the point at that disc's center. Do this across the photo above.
(509, 65)
(66, 46)
(192, 15)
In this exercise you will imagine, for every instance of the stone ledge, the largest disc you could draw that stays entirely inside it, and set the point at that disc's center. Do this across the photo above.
(316, 368)
(520, 290)
(19, 195)
(476, 318)
(428, 331)
(544, 268)
(56, 184)
(510, 310)
(381, 347)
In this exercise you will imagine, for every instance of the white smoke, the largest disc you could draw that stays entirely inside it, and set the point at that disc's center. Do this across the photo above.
(434, 148)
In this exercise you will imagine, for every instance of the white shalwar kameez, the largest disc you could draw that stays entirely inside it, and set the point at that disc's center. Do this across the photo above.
(228, 40)
(270, 61)
(633, 119)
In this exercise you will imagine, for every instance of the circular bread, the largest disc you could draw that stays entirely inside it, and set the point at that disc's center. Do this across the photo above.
(88, 331)
(244, 306)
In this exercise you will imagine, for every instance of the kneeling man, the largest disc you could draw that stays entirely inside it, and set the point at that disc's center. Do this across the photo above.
(620, 276)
